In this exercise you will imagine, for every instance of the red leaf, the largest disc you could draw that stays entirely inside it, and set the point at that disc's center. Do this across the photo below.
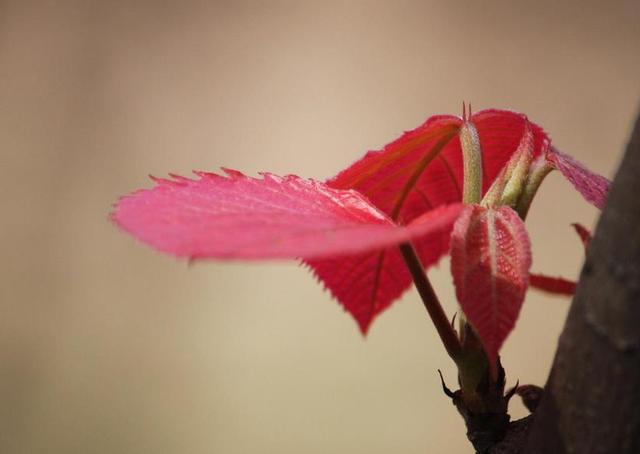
(560, 285)
(490, 260)
(593, 187)
(366, 284)
(583, 233)
(557, 285)
(414, 174)
(238, 217)
(423, 168)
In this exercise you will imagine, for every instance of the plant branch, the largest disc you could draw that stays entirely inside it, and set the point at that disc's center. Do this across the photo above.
(431, 303)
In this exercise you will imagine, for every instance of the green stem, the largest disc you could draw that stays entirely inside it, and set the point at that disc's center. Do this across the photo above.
(431, 303)
(540, 168)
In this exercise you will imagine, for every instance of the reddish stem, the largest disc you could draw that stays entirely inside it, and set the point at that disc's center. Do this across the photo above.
(431, 303)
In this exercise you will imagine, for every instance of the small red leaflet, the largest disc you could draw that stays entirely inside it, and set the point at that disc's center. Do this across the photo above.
(560, 285)
(490, 261)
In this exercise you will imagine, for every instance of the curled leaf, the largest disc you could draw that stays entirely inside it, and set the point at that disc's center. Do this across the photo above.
(560, 285)
(519, 171)
(472, 163)
(490, 261)
(583, 233)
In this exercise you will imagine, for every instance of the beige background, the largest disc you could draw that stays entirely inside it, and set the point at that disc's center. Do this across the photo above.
(109, 347)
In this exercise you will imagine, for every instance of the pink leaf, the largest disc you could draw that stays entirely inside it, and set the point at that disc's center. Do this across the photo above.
(415, 173)
(556, 285)
(593, 187)
(238, 217)
(490, 260)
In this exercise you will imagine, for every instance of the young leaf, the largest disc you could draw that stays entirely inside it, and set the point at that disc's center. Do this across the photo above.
(593, 187)
(239, 217)
(490, 260)
(583, 233)
(508, 185)
(417, 172)
(560, 285)
(555, 285)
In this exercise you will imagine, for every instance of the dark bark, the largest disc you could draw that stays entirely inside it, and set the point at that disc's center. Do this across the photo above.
(591, 402)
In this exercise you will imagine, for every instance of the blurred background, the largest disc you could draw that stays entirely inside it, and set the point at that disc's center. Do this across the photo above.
(109, 347)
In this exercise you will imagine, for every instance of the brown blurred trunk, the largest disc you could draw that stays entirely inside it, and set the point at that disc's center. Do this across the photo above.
(591, 402)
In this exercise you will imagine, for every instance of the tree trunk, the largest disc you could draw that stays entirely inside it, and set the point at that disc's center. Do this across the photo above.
(591, 402)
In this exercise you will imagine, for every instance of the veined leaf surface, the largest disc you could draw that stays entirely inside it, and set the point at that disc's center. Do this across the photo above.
(593, 187)
(490, 261)
(239, 217)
